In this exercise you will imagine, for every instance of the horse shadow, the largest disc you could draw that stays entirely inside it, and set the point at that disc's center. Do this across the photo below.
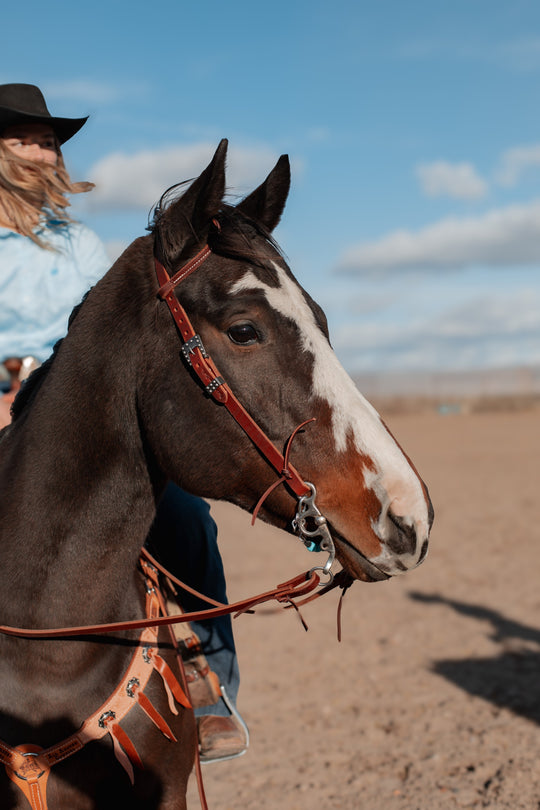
(508, 680)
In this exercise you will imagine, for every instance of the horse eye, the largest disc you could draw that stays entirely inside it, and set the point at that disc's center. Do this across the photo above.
(243, 334)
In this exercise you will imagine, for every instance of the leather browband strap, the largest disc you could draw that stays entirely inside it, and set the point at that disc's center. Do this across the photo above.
(214, 384)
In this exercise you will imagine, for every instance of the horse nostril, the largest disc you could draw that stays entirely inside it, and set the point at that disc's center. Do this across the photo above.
(402, 541)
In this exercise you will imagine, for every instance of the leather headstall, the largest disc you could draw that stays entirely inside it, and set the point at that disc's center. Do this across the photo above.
(308, 515)
(215, 386)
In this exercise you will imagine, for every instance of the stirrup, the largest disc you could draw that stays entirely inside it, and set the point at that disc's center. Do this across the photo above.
(239, 719)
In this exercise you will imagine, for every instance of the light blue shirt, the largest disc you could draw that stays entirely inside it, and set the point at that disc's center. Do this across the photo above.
(39, 288)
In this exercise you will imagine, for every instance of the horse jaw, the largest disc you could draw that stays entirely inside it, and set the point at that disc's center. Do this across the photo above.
(367, 487)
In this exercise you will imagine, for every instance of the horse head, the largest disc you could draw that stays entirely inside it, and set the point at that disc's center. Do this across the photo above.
(270, 342)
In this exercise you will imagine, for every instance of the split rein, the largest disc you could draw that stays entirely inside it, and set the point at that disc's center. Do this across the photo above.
(309, 524)
(287, 592)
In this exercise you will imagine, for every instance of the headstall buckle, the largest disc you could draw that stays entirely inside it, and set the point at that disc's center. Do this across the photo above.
(189, 346)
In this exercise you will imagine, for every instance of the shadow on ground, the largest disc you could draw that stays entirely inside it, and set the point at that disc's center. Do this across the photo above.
(510, 680)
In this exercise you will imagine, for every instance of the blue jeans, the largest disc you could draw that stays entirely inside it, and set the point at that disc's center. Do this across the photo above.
(184, 537)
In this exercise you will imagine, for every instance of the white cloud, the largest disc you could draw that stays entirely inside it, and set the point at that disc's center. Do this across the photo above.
(83, 91)
(319, 134)
(492, 330)
(500, 314)
(459, 180)
(137, 181)
(516, 161)
(500, 237)
(522, 53)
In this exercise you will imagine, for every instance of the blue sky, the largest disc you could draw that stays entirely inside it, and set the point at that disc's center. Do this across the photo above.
(413, 130)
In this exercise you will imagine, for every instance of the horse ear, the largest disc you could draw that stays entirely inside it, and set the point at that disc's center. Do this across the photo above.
(266, 203)
(185, 222)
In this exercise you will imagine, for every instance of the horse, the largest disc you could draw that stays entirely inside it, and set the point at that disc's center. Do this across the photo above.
(118, 413)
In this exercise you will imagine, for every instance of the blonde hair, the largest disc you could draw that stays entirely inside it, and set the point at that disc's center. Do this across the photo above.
(33, 193)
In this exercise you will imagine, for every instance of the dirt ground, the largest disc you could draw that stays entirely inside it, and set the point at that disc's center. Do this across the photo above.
(432, 699)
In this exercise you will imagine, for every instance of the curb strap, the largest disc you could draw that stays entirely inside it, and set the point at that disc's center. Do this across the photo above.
(28, 766)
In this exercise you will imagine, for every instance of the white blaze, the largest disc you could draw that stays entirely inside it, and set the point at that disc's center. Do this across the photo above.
(394, 483)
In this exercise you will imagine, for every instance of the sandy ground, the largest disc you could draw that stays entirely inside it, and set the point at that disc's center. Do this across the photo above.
(432, 699)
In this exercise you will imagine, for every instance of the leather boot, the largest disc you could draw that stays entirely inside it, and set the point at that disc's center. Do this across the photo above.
(220, 738)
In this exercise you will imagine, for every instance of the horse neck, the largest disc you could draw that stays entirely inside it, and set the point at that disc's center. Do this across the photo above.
(77, 495)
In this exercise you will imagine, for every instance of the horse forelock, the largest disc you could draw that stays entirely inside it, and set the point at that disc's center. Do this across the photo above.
(237, 236)
(231, 235)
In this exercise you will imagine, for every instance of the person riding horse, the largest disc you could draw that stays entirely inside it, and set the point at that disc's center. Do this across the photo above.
(47, 263)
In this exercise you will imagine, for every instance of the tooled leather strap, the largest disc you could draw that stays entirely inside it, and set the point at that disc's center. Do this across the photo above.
(28, 766)
(104, 721)
(30, 774)
(213, 382)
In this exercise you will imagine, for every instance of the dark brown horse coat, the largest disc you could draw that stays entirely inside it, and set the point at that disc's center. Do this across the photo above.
(115, 415)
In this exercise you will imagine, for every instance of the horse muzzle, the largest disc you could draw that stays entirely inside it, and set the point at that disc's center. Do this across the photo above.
(390, 546)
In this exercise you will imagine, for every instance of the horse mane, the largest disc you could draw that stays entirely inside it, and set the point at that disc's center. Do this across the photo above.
(31, 386)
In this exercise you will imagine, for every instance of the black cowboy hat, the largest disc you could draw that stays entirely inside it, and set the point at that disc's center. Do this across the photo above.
(24, 104)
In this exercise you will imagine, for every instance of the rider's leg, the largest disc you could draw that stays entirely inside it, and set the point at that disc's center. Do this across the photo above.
(184, 536)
